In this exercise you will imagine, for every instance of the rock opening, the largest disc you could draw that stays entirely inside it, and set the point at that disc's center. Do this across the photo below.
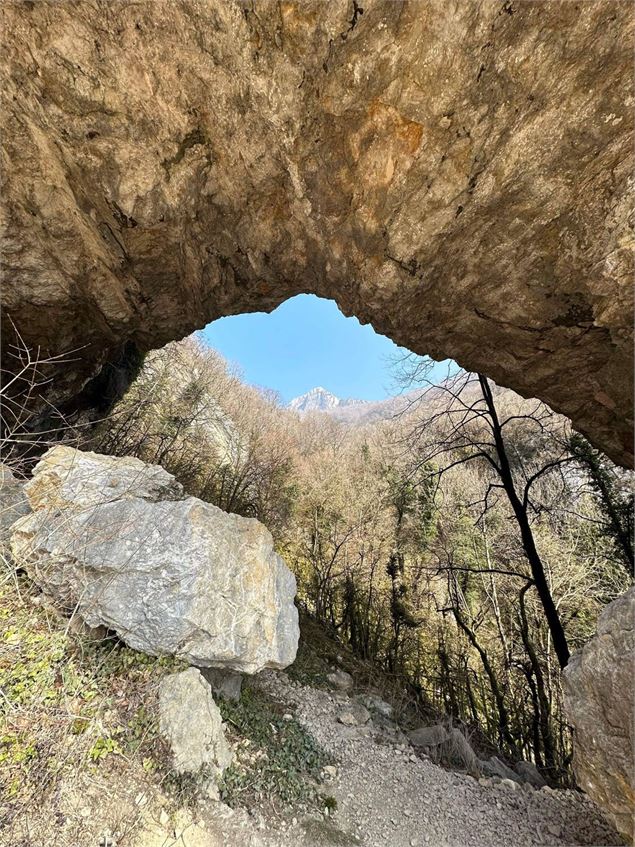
(455, 176)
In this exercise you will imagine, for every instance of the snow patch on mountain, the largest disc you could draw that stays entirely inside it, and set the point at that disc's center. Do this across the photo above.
(320, 400)
(354, 412)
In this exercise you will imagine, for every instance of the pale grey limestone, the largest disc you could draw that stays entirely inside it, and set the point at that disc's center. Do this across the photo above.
(600, 703)
(191, 723)
(172, 575)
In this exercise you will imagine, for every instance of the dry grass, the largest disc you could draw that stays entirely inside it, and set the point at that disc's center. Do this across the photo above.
(77, 721)
(80, 752)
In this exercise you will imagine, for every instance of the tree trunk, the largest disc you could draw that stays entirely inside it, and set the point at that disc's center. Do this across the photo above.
(543, 701)
(540, 580)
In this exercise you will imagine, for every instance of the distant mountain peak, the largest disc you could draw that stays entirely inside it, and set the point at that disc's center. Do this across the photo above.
(318, 399)
(353, 412)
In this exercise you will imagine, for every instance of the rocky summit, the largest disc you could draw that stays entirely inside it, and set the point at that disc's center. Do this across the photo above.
(118, 541)
(319, 400)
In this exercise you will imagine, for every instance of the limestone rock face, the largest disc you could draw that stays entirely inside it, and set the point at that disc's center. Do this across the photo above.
(528, 772)
(455, 174)
(191, 723)
(171, 574)
(13, 504)
(428, 736)
(600, 703)
(225, 684)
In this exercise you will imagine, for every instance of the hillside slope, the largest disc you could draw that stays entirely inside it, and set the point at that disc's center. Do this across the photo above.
(81, 762)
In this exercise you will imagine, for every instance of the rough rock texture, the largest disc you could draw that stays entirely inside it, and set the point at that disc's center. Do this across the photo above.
(447, 745)
(376, 705)
(458, 752)
(494, 767)
(172, 575)
(191, 723)
(355, 715)
(13, 504)
(600, 703)
(340, 679)
(225, 684)
(528, 772)
(428, 736)
(455, 173)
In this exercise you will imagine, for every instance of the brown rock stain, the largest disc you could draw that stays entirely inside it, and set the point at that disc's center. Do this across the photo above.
(472, 186)
(383, 148)
(392, 123)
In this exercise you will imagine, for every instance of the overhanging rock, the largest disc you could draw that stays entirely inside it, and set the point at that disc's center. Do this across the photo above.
(457, 174)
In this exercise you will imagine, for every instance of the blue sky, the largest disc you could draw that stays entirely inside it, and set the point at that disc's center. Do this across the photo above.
(307, 342)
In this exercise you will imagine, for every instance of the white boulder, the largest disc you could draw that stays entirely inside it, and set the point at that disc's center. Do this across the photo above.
(172, 575)
(600, 703)
(191, 723)
(13, 503)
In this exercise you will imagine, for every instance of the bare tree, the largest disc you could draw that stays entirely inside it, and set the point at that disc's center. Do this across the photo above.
(463, 426)
(28, 421)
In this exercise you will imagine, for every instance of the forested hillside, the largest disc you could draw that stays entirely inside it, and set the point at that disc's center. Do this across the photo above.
(466, 545)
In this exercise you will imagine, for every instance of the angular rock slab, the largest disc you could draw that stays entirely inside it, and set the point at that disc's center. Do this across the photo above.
(191, 723)
(172, 575)
(225, 684)
(428, 736)
(600, 703)
(528, 772)
(13, 503)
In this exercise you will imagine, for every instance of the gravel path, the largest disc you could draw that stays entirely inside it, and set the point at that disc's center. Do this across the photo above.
(389, 797)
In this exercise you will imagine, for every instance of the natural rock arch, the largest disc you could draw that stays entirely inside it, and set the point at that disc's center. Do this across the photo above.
(456, 174)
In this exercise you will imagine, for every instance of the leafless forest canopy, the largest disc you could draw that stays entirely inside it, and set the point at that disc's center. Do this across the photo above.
(466, 545)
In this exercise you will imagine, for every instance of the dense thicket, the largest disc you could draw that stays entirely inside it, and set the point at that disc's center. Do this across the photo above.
(450, 545)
